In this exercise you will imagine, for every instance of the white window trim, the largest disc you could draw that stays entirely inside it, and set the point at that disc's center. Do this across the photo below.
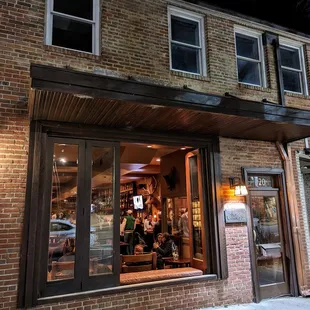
(199, 18)
(257, 35)
(95, 25)
(300, 47)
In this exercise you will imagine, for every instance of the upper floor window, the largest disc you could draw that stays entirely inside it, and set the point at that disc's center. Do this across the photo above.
(73, 26)
(186, 39)
(293, 68)
(250, 59)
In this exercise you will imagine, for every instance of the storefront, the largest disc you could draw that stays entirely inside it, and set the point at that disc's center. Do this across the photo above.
(100, 147)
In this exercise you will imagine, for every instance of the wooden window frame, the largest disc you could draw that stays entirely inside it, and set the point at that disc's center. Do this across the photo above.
(33, 288)
(173, 11)
(95, 22)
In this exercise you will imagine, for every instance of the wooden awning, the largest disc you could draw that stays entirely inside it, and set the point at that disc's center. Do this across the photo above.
(64, 95)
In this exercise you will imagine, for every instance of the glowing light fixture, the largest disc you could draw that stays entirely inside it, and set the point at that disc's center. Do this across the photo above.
(183, 148)
(149, 146)
(63, 160)
(158, 159)
(239, 188)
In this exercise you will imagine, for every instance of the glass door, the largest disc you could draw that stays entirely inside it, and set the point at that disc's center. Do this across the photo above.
(271, 270)
(195, 203)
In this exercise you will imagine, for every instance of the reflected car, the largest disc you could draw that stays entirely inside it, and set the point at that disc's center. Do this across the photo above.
(60, 230)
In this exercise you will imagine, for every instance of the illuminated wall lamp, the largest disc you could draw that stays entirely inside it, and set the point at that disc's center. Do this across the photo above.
(239, 188)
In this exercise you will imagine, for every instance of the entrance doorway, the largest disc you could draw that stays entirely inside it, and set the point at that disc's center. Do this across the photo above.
(272, 262)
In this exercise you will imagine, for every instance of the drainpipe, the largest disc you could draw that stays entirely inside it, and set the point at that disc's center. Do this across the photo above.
(293, 211)
(273, 39)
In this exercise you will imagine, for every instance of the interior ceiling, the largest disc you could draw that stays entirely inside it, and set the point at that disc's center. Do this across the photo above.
(136, 161)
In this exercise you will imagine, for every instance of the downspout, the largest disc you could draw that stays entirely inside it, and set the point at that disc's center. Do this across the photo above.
(293, 212)
(273, 39)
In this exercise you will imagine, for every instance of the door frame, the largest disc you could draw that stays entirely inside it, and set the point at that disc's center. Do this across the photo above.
(279, 177)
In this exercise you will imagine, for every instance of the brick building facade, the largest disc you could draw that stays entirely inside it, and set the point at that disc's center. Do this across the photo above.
(134, 41)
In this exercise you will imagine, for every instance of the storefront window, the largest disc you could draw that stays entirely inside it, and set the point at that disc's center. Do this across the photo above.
(101, 211)
(62, 235)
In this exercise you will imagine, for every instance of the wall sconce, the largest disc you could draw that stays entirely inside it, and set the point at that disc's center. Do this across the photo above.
(239, 188)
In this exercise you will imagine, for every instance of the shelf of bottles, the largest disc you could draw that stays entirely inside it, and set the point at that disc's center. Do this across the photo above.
(103, 201)
(128, 190)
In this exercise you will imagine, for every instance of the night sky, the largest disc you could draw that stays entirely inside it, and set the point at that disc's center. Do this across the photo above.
(294, 14)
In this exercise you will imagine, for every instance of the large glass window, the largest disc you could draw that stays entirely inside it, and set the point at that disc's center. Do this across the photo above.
(105, 220)
(62, 236)
(249, 59)
(73, 24)
(101, 211)
(187, 42)
(293, 69)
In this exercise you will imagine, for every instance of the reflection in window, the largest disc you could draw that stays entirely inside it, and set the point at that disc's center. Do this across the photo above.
(267, 239)
(196, 209)
(249, 60)
(61, 252)
(101, 216)
(186, 42)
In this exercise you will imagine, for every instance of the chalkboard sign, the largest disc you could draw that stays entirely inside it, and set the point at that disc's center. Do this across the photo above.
(260, 181)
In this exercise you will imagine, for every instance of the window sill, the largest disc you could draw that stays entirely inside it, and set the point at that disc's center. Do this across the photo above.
(254, 87)
(191, 76)
(290, 94)
(125, 288)
(65, 51)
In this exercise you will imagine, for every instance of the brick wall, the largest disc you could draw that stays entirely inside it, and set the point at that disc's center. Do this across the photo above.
(134, 42)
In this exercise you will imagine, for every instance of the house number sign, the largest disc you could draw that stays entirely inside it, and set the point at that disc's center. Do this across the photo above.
(260, 181)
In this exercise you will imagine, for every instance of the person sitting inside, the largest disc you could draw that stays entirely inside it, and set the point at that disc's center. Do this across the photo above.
(163, 250)
(159, 239)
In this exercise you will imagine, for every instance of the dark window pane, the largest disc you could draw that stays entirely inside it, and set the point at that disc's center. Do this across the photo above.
(247, 46)
(79, 8)
(290, 57)
(184, 30)
(248, 72)
(72, 34)
(291, 81)
(185, 58)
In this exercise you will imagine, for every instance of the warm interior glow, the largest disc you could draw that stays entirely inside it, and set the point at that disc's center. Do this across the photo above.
(241, 190)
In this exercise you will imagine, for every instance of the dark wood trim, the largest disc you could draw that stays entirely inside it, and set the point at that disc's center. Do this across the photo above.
(27, 259)
(70, 81)
(40, 178)
(217, 215)
(92, 132)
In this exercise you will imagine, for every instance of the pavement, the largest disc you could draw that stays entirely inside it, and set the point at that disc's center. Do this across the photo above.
(287, 303)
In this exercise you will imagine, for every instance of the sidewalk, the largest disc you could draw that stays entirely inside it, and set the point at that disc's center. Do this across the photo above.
(287, 303)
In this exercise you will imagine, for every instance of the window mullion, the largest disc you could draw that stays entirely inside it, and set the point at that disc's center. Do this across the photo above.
(186, 44)
(291, 69)
(248, 59)
(79, 19)
(83, 203)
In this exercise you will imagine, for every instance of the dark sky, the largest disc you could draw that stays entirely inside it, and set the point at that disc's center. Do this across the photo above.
(294, 14)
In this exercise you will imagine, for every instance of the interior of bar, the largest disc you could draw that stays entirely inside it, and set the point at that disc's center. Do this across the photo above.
(161, 220)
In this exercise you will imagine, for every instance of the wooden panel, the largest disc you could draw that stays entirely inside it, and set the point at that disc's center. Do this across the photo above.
(55, 106)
